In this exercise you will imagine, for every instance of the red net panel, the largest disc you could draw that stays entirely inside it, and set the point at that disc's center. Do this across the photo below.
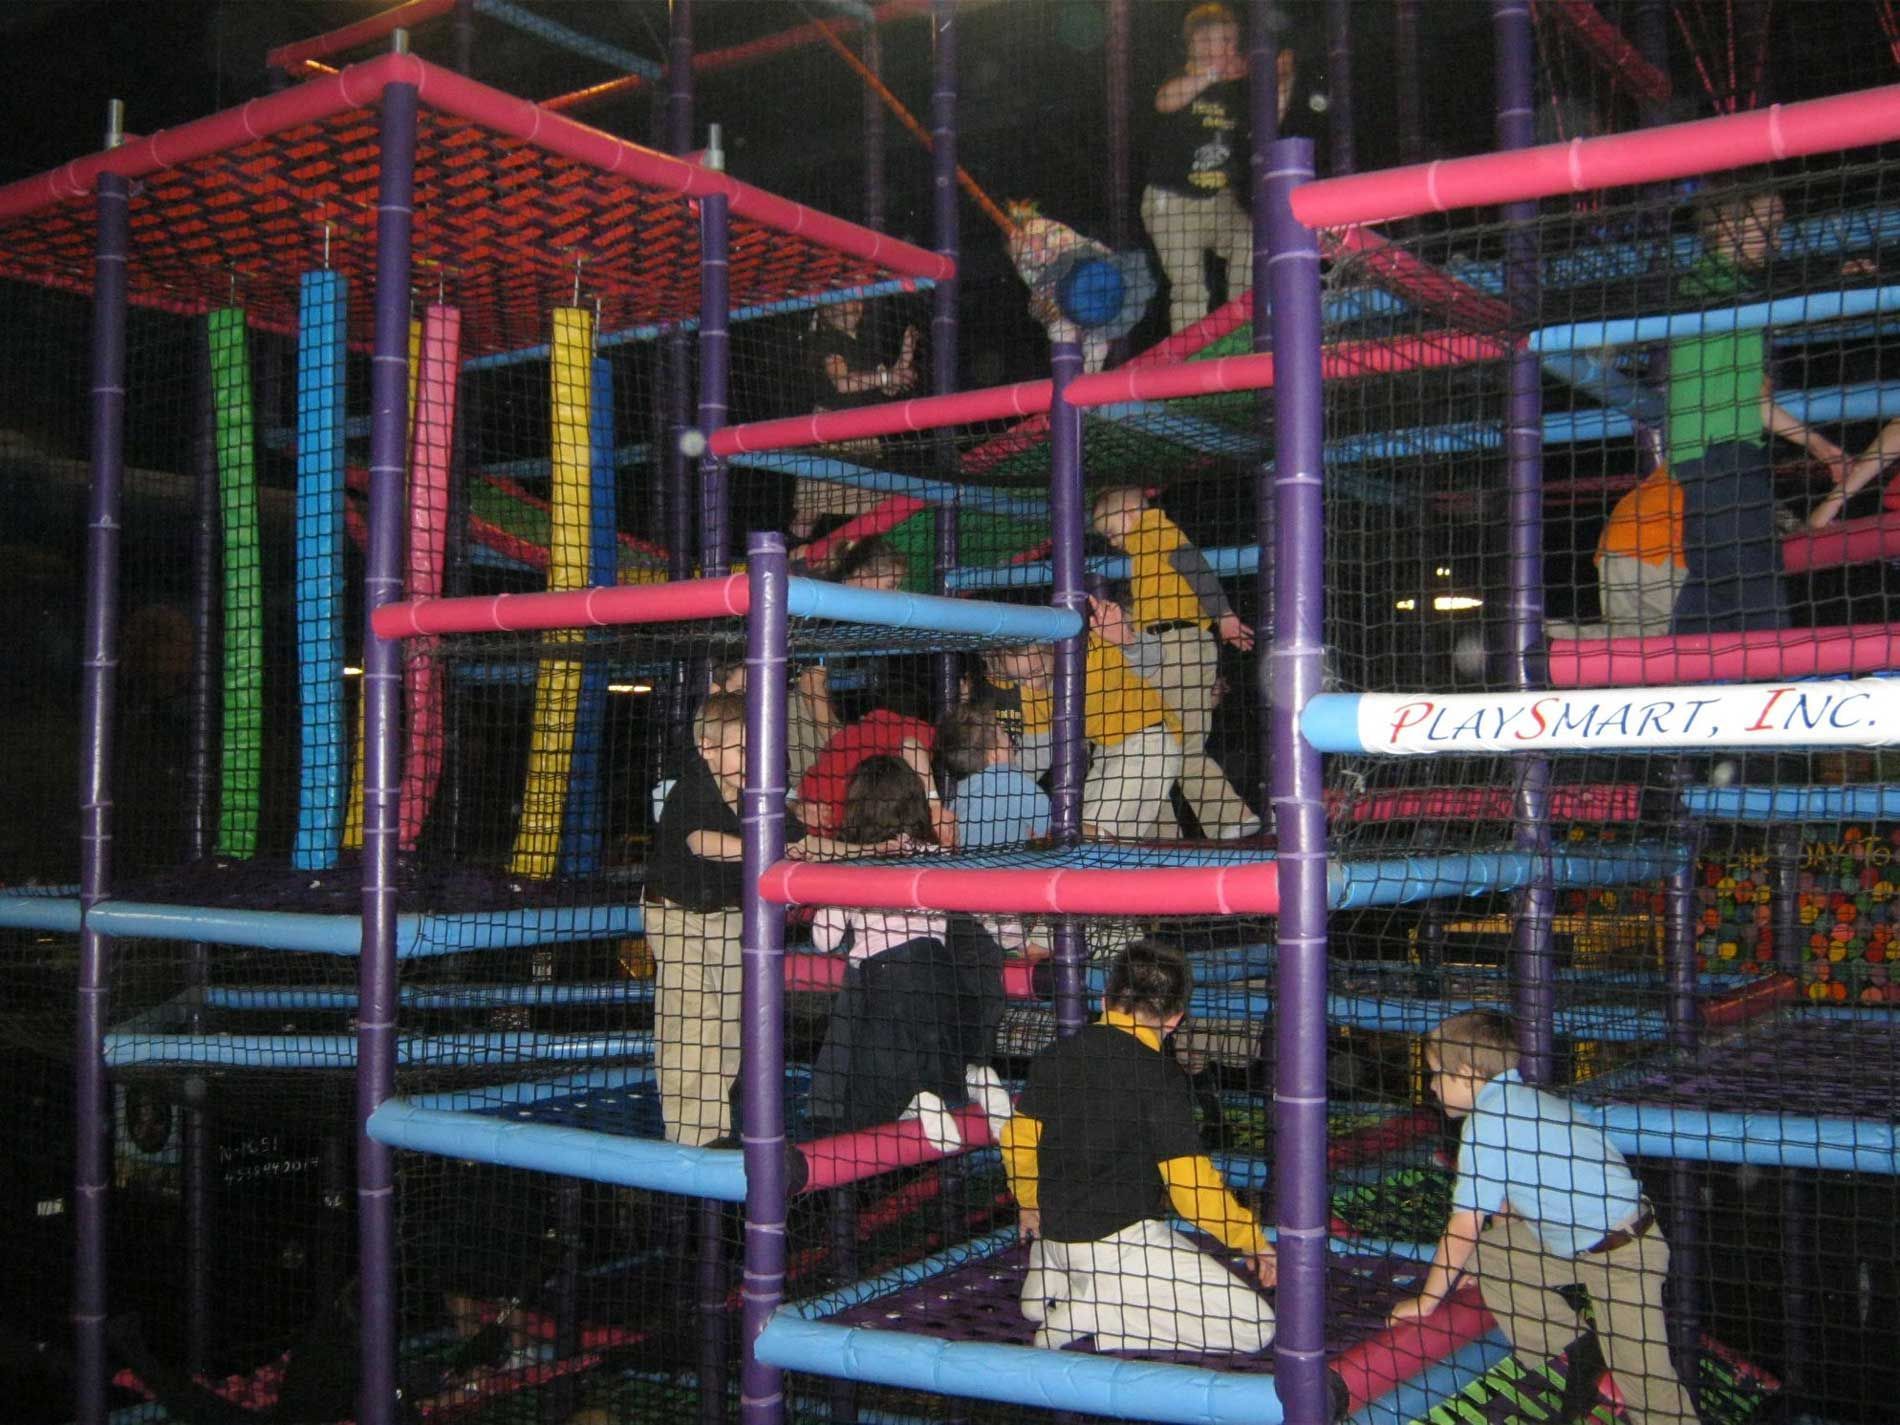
(510, 226)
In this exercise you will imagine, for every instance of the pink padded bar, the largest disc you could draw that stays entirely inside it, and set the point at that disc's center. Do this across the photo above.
(345, 38)
(1860, 541)
(1620, 60)
(1843, 121)
(1750, 1001)
(991, 403)
(1762, 655)
(852, 1157)
(1609, 802)
(681, 602)
(1179, 890)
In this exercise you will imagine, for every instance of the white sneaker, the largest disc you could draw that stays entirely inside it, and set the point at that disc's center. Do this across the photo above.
(988, 1093)
(939, 1123)
(1239, 830)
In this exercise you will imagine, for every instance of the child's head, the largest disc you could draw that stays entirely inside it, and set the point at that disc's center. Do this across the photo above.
(1466, 1052)
(1151, 982)
(1032, 663)
(883, 800)
(1115, 511)
(874, 564)
(719, 729)
(1212, 34)
(970, 737)
(1741, 226)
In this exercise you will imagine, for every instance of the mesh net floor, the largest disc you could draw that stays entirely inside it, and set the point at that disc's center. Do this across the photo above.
(1832, 1068)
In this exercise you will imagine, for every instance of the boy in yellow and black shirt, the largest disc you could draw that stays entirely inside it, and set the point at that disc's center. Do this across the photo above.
(1102, 1145)
(1134, 738)
(1177, 603)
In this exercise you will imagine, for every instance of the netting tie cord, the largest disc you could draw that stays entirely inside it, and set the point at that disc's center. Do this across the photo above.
(327, 225)
(579, 258)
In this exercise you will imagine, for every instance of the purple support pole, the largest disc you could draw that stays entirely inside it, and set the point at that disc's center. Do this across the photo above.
(1067, 522)
(1116, 53)
(1797, 1197)
(1263, 54)
(463, 30)
(946, 235)
(1405, 88)
(715, 355)
(873, 131)
(382, 761)
(1533, 975)
(91, 1108)
(1299, 1100)
(762, 1066)
(200, 815)
(674, 522)
(1339, 86)
(1649, 32)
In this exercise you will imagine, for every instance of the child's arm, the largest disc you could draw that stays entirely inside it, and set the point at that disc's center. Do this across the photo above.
(1199, 575)
(1868, 466)
(1778, 420)
(715, 845)
(1200, 1194)
(1021, 1135)
(1448, 1264)
(1178, 92)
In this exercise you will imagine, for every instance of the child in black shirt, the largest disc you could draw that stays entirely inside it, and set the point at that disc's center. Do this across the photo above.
(1102, 1144)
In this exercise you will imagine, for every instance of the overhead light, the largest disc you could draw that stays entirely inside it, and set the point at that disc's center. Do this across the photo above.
(1454, 603)
(352, 672)
(629, 687)
(1443, 571)
(1405, 606)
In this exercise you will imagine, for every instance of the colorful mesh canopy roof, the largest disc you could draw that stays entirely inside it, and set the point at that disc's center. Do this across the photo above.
(506, 226)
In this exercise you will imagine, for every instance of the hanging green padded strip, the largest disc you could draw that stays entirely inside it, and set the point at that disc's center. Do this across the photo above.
(243, 705)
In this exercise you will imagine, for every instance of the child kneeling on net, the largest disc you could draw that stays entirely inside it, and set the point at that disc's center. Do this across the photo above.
(1543, 1202)
(1103, 1143)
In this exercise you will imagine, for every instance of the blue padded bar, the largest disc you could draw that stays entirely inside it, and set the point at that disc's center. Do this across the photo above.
(338, 1051)
(1675, 326)
(1406, 880)
(1021, 1375)
(539, 467)
(1023, 623)
(1767, 1140)
(1610, 1023)
(518, 17)
(417, 936)
(260, 999)
(651, 1163)
(1757, 804)
(624, 1076)
(55, 908)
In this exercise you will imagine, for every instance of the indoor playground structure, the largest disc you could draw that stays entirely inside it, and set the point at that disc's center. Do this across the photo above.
(451, 457)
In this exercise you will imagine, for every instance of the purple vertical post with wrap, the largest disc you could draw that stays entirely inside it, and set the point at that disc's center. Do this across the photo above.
(1533, 975)
(715, 358)
(1067, 522)
(1295, 664)
(762, 1063)
(946, 235)
(92, 1113)
(1263, 54)
(376, 986)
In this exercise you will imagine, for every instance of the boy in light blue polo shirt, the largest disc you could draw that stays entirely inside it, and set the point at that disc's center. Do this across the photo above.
(996, 803)
(1543, 1201)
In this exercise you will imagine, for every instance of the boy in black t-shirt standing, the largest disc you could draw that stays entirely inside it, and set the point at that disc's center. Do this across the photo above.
(694, 925)
(1194, 201)
(1102, 1143)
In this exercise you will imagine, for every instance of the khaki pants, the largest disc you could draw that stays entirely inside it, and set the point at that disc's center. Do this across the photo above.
(695, 1018)
(804, 737)
(1185, 230)
(1518, 1276)
(1143, 1288)
(1126, 794)
(1189, 688)
(1638, 599)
